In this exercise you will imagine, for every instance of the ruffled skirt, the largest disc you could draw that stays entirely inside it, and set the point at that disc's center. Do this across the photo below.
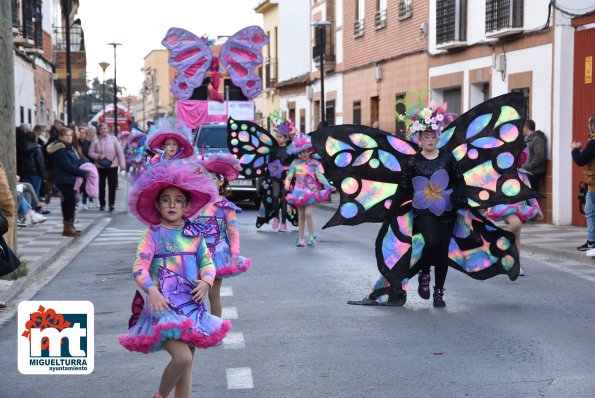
(199, 329)
(522, 209)
(304, 197)
(224, 263)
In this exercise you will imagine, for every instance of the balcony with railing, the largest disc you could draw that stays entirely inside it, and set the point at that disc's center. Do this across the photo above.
(451, 24)
(270, 73)
(380, 19)
(329, 50)
(78, 57)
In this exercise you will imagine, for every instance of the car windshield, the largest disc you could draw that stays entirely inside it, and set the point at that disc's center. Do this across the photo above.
(212, 137)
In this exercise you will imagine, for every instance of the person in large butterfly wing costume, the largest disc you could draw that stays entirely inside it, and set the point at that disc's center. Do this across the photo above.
(365, 164)
(261, 156)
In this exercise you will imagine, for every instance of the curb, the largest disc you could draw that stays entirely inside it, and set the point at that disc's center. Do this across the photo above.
(37, 266)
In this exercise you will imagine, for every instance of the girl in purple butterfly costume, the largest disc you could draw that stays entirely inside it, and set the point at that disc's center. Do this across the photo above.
(219, 218)
(174, 267)
(517, 213)
(307, 190)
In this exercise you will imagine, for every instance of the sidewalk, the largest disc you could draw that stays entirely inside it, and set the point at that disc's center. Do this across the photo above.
(42, 244)
(553, 241)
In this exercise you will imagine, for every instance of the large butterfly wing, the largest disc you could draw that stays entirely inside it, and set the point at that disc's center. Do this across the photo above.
(266, 211)
(364, 164)
(191, 56)
(480, 249)
(487, 141)
(241, 54)
(251, 144)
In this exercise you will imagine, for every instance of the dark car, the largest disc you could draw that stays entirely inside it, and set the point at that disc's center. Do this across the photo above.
(213, 139)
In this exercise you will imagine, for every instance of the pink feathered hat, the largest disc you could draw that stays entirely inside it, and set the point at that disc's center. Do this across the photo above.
(224, 164)
(166, 128)
(123, 134)
(301, 142)
(188, 177)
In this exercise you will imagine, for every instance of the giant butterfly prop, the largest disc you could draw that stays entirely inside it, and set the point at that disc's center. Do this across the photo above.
(252, 145)
(365, 164)
(191, 56)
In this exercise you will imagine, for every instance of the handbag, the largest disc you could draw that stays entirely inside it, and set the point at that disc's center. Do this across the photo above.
(8, 260)
(106, 163)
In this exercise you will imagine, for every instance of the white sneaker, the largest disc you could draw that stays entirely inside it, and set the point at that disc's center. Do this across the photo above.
(29, 219)
(85, 207)
(36, 218)
(590, 253)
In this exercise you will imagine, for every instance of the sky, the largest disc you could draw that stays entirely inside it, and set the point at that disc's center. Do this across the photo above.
(140, 25)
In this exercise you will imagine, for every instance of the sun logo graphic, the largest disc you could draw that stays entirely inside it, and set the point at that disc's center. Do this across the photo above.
(56, 337)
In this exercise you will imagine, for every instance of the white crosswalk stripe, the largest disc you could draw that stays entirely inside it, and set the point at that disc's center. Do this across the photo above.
(116, 236)
(226, 291)
(239, 378)
(229, 313)
(233, 340)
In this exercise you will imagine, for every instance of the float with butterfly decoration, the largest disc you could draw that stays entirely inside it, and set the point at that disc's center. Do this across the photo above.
(365, 165)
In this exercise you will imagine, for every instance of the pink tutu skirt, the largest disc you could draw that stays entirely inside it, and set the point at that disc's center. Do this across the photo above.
(200, 329)
(523, 210)
(304, 197)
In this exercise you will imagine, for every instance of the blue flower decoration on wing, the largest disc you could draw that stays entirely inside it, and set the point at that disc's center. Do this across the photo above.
(431, 193)
(276, 169)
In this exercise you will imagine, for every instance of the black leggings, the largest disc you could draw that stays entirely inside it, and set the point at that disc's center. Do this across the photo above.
(278, 192)
(437, 234)
(111, 175)
(68, 201)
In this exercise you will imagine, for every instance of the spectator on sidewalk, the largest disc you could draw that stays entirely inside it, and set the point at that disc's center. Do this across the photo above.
(537, 163)
(29, 194)
(42, 134)
(53, 136)
(21, 141)
(8, 206)
(34, 167)
(108, 156)
(90, 135)
(27, 216)
(66, 169)
(586, 158)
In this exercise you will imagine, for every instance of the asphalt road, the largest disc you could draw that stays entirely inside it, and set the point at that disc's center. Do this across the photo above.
(294, 336)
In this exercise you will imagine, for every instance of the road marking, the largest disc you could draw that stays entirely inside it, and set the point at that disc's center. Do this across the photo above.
(233, 340)
(239, 378)
(229, 313)
(566, 266)
(226, 291)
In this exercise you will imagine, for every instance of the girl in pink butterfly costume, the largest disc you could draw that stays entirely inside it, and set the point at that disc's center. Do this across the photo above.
(223, 236)
(171, 139)
(516, 214)
(307, 189)
(174, 267)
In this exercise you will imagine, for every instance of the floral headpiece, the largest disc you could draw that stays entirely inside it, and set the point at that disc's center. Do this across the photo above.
(419, 118)
(281, 125)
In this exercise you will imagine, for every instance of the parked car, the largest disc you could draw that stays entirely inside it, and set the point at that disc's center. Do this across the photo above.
(213, 138)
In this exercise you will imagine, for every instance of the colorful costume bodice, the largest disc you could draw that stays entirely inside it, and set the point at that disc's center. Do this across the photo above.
(161, 246)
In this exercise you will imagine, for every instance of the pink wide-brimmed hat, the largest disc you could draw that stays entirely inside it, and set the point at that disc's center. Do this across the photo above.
(188, 177)
(123, 134)
(166, 128)
(301, 142)
(224, 164)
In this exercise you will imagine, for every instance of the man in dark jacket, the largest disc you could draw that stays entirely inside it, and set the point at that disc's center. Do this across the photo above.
(586, 158)
(537, 145)
(21, 135)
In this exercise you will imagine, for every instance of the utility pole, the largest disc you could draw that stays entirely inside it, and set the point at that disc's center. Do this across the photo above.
(7, 100)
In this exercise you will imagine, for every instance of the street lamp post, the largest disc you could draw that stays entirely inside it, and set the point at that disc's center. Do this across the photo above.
(320, 29)
(115, 89)
(103, 66)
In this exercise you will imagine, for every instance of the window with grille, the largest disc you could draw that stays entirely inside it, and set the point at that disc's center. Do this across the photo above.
(503, 14)
(405, 9)
(380, 16)
(358, 25)
(451, 21)
(357, 112)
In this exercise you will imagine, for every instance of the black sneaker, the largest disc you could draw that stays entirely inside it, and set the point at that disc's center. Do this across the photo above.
(587, 246)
